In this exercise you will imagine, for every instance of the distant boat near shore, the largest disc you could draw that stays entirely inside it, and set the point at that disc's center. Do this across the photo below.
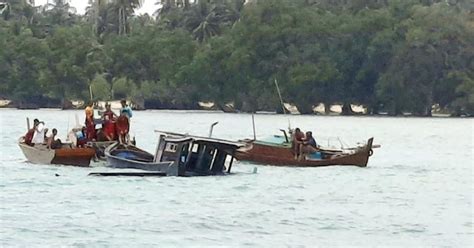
(335, 109)
(4, 103)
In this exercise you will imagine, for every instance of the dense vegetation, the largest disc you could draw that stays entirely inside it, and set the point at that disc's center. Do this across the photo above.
(388, 55)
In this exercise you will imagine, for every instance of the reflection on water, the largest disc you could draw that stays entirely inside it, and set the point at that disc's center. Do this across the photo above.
(417, 189)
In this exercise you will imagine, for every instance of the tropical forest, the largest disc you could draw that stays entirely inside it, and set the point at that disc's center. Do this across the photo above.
(389, 56)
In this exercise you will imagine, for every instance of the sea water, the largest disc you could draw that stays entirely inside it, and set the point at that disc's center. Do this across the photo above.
(416, 191)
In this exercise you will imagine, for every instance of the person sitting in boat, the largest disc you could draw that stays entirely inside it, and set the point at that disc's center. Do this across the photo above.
(108, 126)
(296, 142)
(28, 138)
(81, 137)
(39, 132)
(54, 143)
(90, 125)
(123, 126)
(309, 145)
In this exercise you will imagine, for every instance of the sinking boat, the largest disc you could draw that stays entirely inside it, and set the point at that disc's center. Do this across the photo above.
(131, 157)
(176, 155)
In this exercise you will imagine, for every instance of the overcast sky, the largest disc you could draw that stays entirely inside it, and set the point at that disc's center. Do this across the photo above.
(148, 6)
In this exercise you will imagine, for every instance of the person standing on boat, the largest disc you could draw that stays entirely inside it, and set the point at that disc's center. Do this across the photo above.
(126, 109)
(90, 125)
(40, 131)
(123, 122)
(296, 142)
(123, 127)
(108, 126)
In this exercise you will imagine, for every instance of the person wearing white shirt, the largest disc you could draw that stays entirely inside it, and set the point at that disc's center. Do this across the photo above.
(38, 137)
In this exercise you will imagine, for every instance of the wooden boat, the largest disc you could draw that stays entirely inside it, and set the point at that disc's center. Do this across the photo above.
(282, 155)
(131, 157)
(66, 155)
(176, 155)
(194, 155)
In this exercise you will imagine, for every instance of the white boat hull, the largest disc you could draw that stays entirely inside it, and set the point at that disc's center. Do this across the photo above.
(38, 154)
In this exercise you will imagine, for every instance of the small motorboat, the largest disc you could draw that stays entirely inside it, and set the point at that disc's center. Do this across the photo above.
(67, 154)
(131, 157)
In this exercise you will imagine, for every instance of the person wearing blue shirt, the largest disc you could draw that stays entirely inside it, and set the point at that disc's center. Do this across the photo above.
(126, 109)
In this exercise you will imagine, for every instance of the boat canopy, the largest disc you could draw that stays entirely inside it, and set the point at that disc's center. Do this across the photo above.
(176, 137)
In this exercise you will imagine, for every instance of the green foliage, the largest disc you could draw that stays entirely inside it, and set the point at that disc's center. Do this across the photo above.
(100, 88)
(464, 103)
(395, 56)
(122, 87)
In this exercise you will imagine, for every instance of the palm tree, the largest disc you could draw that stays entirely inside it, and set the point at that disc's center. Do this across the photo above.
(60, 5)
(124, 9)
(202, 21)
(166, 6)
(60, 11)
(205, 18)
(20, 9)
(96, 14)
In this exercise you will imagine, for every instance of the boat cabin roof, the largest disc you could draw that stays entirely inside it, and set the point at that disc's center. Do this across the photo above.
(182, 138)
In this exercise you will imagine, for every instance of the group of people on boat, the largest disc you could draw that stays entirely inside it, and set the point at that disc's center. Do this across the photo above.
(303, 144)
(37, 135)
(114, 127)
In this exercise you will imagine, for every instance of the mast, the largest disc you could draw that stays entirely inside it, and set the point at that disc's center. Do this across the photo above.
(279, 95)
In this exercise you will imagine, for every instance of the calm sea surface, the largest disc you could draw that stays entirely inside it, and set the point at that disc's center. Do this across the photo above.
(416, 191)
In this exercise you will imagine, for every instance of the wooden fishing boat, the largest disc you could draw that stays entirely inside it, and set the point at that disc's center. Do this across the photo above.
(66, 155)
(176, 155)
(131, 157)
(282, 155)
(196, 156)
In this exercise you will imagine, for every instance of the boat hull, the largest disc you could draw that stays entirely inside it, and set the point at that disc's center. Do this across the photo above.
(99, 147)
(40, 154)
(280, 155)
(143, 161)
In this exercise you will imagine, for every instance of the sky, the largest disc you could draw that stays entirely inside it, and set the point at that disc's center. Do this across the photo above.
(80, 5)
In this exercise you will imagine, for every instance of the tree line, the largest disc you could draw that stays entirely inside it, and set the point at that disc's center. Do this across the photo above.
(390, 56)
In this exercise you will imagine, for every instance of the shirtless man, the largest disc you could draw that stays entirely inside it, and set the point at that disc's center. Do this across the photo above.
(90, 125)
(52, 142)
(296, 142)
